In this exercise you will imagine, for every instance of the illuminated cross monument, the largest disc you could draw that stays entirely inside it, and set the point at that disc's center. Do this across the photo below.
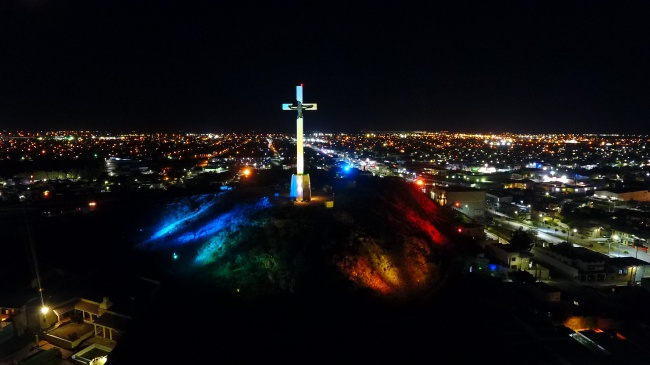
(300, 186)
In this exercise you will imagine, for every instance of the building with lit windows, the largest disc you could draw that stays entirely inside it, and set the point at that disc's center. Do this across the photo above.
(623, 195)
(468, 201)
(494, 198)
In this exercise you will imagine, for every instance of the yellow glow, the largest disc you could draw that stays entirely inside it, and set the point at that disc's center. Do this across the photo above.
(389, 273)
(44, 310)
(579, 323)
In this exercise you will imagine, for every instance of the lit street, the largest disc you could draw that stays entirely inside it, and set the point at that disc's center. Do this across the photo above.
(550, 235)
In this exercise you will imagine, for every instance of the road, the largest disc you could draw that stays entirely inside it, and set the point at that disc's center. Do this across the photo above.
(503, 223)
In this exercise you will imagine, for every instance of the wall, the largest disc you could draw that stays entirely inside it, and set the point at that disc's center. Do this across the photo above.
(542, 256)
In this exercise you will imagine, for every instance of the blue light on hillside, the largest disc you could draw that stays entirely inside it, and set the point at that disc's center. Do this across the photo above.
(229, 222)
(192, 222)
(493, 267)
(172, 224)
(233, 219)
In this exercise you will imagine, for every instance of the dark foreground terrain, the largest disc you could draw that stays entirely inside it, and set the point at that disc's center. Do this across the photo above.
(308, 308)
(378, 278)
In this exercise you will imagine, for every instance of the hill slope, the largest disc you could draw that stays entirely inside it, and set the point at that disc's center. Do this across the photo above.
(256, 273)
(381, 237)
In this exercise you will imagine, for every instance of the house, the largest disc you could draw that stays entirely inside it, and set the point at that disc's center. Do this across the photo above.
(634, 236)
(75, 324)
(623, 194)
(494, 198)
(19, 310)
(517, 260)
(509, 256)
(589, 229)
(521, 184)
(626, 269)
(468, 201)
(474, 231)
(80, 319)
(576, 262)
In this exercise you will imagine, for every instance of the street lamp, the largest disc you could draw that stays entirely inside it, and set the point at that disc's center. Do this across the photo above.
(609, 247)
(568, 231)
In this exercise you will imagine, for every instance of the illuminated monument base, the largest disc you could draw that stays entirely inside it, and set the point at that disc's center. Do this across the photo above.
(300, 188)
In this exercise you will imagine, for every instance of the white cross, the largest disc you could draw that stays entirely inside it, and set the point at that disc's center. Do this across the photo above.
(299, 106)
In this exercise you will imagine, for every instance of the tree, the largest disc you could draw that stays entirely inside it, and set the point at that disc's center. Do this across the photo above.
(523, 240)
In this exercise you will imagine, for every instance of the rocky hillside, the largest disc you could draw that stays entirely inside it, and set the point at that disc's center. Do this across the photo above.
(381, 239)
(259, 278)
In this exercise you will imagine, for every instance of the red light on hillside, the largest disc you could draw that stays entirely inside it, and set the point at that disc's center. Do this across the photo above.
(460, 230)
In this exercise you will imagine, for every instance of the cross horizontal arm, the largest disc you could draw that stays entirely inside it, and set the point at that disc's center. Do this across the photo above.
(304, 106)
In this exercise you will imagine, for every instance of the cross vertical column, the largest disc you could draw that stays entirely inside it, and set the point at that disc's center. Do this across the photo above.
(300, 160)
(300, 185)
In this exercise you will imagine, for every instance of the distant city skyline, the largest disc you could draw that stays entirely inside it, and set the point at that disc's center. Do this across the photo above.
(199, 67)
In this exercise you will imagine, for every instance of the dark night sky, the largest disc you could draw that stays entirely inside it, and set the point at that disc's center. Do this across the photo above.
(219, 66)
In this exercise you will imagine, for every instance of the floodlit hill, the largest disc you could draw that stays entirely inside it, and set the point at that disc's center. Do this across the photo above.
(380, 238)
(251, 275)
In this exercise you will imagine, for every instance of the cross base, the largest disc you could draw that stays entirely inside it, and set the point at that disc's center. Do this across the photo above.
(300, 188)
